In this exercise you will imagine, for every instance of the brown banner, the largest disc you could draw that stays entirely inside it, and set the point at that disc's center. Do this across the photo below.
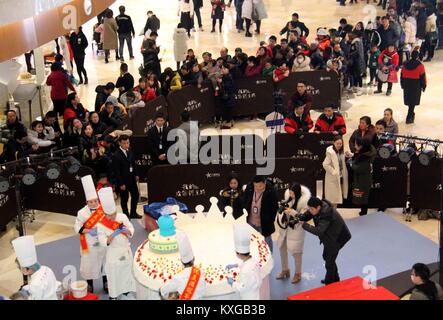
(22, 36)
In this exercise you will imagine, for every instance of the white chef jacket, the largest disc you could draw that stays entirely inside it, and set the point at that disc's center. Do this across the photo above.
(91, 263)
(249, 280)
(179, 281)
(119, 259)
(42, 285)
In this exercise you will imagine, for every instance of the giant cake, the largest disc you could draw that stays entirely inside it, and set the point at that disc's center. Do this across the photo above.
(212, 239)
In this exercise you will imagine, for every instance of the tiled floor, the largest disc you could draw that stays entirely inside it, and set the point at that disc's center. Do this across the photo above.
(49, 227)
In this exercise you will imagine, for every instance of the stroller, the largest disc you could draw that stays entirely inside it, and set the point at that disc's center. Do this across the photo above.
(97, 40)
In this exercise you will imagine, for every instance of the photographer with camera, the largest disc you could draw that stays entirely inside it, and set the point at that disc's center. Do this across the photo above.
(332, 231)
(291, 235)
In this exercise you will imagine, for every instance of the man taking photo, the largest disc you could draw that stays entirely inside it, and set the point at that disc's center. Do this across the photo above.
(332, 231)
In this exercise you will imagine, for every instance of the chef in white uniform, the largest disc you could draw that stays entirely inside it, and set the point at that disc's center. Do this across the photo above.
(42, 283)
(180, 283)
(114, 231)
(249, 279)
(92, 252)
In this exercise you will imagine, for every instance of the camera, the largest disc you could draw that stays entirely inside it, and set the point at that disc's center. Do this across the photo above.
(5, 135)
(288, 220)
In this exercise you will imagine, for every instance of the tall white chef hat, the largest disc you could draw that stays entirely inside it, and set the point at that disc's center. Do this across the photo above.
(24, 248)
(89, 188)
(242, 238)
(184, 247)
(106, 197)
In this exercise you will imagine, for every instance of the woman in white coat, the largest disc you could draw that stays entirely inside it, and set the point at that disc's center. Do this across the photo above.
(253, 10)
(336, 177)
(92, 253)
(292, 237)
(180, 38)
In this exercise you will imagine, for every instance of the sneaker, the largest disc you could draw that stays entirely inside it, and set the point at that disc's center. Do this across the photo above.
(377, 91)
(388, 93)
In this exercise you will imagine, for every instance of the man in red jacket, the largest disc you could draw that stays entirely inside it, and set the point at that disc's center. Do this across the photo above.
(299, 121)
(330, 121)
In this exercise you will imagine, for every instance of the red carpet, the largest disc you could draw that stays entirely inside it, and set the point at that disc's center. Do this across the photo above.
(351, 289)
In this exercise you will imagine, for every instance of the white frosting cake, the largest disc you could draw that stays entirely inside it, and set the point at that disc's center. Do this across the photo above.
(212, 240)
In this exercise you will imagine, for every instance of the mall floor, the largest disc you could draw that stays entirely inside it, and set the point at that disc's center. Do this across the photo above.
(49, 226)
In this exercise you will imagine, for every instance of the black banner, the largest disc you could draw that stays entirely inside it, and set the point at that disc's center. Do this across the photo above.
(195, 184)
(8, 207)
(323, 85)
(253, 96)
(143, 161)
(389, 183)
(64, 195)
(426, 185)
(144, 118)
(310, 146)
(245, 147)
(199, 102)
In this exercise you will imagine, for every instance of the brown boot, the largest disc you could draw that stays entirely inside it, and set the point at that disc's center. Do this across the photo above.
(296, 279)
(283, 275)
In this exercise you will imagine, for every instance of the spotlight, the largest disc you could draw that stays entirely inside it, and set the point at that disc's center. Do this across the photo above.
(53, 171)
(386, 151)
(29, 177)
(407, 153)
(74, 165)
(426, 156)
(4, 184)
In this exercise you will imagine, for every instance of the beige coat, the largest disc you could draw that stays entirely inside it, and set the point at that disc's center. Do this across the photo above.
(110, 34)
(410, 28)
(304, 66)
(431, 23)
(180, 38)
(334, 192)
(295, 238)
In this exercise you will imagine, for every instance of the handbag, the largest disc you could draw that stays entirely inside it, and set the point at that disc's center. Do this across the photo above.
(383, 75)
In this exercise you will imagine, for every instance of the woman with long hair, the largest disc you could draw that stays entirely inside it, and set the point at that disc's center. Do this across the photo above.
(336, 177)
(232, 196)
(361, 165)
(292, 235)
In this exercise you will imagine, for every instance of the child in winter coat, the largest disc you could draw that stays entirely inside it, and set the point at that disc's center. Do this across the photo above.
(373, 64)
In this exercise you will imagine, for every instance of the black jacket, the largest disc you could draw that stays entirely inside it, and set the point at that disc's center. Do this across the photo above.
(329, 226)
(110, 122)
(121, 166)
(269, 207)
(153, 23)
(126, 82)
(125, 25)
(297, 24)
(154, 140)
(79, 43)
(100, 98)
(234, 199)
(388, 36)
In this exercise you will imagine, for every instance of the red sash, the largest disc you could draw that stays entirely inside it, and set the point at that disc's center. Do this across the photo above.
(110, 224)
(95, 218)
(191, 286)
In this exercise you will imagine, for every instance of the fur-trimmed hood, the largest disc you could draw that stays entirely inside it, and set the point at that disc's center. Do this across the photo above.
(303, 201)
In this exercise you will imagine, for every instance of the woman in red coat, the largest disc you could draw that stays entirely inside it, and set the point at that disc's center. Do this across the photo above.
(59, 83)
(388, 64)
(253, 68)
